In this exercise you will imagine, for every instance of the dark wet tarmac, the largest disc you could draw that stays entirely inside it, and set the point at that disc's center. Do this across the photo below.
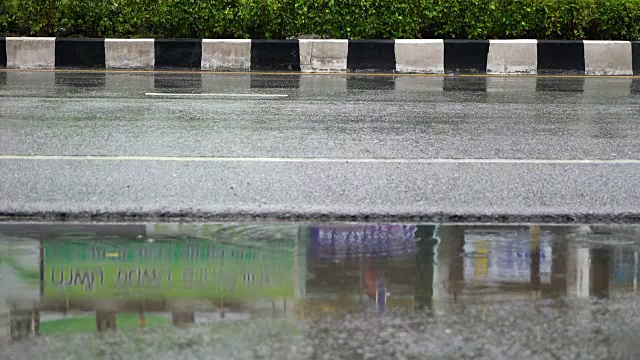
(318, 291)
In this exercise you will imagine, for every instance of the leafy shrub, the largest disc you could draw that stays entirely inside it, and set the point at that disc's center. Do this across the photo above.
(28, 18)
(358, 19)
(6, 20)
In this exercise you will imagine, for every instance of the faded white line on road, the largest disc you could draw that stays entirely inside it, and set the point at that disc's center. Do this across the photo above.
(314, 160)
(177, 95)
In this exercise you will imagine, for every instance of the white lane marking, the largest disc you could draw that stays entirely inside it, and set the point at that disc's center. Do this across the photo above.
(314, 160)
(177, 95)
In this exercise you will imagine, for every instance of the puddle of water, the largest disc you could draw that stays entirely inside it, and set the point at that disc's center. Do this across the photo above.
(61, 280)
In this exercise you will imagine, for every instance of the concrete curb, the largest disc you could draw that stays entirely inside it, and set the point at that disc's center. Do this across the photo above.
(400, 56)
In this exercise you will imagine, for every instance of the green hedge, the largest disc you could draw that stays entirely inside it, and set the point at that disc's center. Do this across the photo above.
(368, 19)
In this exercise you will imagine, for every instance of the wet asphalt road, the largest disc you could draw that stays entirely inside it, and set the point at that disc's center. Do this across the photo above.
(385, 146)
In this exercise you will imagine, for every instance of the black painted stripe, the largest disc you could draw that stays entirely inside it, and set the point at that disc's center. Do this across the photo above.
(80, 53)
(635, 53)
(3, 52)
(560, 57)
(386, 83)
(275, 55)
(178, 53)
(371, 55)
(466, 56)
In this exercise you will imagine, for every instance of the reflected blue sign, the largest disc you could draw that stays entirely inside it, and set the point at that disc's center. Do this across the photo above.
(505, 255)
(362, 240)
(625, 265)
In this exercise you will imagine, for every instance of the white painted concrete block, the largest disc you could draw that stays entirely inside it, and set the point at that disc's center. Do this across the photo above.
(512, 57)
(419, 56)
(607, 58)
(323, 55)
(31, 53)
(233, 55)
(129, 53)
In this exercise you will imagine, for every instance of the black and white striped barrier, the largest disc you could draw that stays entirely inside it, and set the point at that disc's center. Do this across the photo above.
(400, 56)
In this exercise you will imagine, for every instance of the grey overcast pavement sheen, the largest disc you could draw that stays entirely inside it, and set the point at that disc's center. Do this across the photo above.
(324, 116)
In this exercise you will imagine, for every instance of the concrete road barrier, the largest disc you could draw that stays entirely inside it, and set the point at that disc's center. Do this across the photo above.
(371, 56)
(323, 55)
(419, 56)
(432, 56)
(275, 55)
(31, 53)
(3, 52)
(233, 55)
(80, 54)
(129, 53)
(178, 53)
(512, 57)
(608, 58)
(635, 57)
(560, 57)
(465, 56)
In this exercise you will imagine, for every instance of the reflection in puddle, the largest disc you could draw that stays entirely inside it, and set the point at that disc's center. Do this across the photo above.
(74, 82)
(258, 81)
(371, 83)
(472, 84)
(191, 83)
(75, 279)
(570, 85)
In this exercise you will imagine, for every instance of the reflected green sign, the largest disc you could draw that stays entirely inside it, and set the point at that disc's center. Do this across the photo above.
(176, 269)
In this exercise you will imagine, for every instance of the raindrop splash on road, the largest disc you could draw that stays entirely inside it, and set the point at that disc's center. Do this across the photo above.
(318, 290)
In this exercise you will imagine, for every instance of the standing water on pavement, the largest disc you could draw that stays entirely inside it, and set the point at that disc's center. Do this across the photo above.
(316, 291)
